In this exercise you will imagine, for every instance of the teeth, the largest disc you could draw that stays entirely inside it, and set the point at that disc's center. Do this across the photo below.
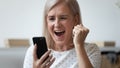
(58, 31)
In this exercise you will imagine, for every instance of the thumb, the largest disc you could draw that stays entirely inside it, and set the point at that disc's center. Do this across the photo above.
(35, 53)
(81, 24)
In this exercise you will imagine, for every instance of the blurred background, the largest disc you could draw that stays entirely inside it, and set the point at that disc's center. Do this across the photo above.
(23, 19)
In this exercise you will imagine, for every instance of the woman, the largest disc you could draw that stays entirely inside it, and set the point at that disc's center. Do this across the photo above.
(65, 35)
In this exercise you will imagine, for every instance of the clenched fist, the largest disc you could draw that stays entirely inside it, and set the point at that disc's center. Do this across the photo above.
(79, 34)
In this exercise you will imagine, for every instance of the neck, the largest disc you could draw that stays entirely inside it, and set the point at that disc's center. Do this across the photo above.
(61, 47)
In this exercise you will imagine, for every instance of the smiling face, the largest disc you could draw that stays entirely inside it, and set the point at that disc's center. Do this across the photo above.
(60, 23)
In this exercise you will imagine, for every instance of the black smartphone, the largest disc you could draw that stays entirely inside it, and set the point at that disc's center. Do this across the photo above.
(41, 45)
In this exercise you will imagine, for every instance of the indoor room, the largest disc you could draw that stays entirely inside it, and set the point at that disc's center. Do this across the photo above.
(21, 20)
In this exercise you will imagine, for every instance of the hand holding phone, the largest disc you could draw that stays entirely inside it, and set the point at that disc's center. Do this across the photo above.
(41, 45)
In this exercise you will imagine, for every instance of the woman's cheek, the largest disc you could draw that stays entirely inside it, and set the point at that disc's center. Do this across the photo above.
(50, 28)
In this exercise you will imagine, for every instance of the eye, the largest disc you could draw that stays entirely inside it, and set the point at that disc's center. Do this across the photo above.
(52, 18)
(63, 18)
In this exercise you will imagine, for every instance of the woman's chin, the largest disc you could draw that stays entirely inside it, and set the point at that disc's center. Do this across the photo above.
(59, 40)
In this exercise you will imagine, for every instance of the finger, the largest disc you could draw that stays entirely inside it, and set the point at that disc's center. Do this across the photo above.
(87, 30)
(47, 62)
(44, 56)
(78, 27)
(51, 62)
(81, 24)
(34, 53)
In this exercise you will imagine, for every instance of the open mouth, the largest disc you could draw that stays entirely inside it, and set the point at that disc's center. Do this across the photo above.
(59, 33)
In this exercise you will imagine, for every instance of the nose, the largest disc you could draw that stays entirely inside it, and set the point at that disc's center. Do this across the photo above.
(57, 23)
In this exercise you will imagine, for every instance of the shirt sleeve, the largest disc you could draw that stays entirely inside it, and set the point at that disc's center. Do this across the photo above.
(94, 55)
(28, 60)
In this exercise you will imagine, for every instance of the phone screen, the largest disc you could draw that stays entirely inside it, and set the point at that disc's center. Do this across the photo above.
(41, 45)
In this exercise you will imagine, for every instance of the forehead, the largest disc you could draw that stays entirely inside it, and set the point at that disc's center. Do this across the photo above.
(60, 8)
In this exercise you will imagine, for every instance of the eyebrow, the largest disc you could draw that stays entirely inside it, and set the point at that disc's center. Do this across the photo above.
(65, 15)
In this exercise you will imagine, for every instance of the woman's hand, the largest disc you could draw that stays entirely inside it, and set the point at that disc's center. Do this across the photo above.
(79, 32)
(42, 62)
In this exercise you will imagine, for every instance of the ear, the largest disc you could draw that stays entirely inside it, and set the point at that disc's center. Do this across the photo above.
(76, 20)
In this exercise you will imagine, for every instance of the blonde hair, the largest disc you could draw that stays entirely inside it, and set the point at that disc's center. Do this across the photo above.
(74, 8)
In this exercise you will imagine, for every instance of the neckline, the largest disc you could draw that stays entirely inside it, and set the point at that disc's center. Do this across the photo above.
(62, 52)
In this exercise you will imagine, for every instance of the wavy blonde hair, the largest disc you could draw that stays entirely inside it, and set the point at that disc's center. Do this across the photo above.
(74, 8)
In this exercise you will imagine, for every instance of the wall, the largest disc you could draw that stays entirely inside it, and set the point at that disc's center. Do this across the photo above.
(20, 19)
(103, 19)
(23, 19)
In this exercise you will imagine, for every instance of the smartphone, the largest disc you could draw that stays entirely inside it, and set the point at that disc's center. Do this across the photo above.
(41, 45)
